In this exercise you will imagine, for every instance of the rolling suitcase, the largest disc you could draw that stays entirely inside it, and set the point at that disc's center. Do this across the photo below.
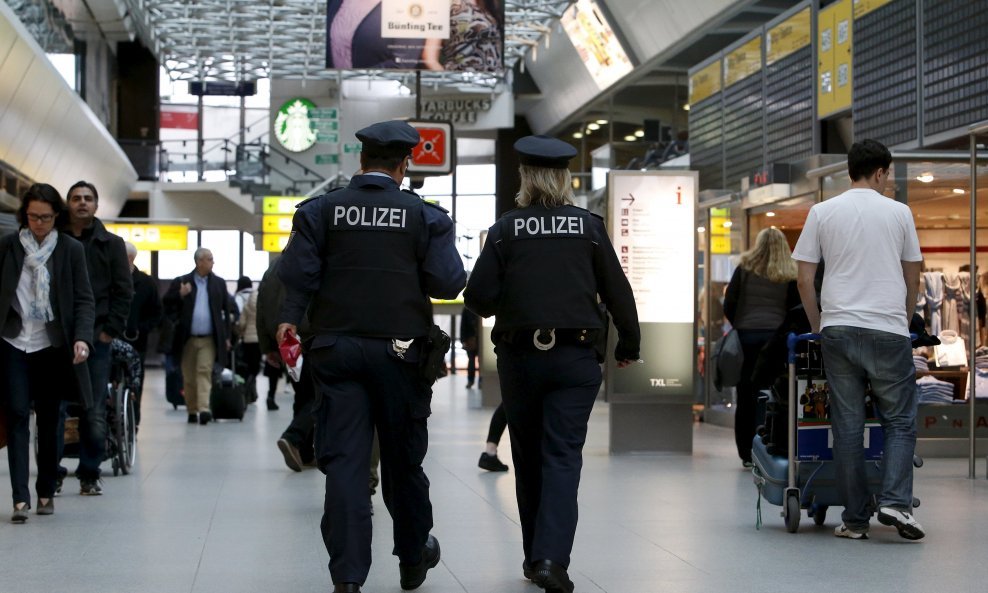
(228, 397)
(173, 382)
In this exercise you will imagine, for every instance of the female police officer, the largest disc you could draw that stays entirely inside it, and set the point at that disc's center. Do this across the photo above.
(541, 272)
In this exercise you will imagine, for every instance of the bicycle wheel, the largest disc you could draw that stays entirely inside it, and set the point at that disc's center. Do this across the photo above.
(121, 395)
(130, 432)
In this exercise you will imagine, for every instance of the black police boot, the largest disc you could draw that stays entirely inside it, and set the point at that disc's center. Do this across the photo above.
(413, 576)
(552, 577)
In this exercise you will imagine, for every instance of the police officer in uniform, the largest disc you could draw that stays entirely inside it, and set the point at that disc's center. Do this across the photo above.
(541, 272)
(368, 257)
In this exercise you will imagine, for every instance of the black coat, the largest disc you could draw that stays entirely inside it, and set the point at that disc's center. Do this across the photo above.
(179, 309)
(71, 302)
(145, 310)
(109, 276)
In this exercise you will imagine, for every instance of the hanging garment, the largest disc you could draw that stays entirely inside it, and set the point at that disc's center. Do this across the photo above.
(933, 288)
(951, 296)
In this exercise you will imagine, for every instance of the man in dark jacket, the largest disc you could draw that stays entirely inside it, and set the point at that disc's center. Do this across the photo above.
(202, 308)
(145, 313)
(109, 275)
(295, 443)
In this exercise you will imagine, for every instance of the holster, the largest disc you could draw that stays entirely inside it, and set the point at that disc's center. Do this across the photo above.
(434, 349)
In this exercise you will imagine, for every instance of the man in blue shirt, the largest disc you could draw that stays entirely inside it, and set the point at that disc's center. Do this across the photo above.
(201, 307)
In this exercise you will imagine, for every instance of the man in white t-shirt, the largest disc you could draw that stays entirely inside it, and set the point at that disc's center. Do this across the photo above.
(873, 261)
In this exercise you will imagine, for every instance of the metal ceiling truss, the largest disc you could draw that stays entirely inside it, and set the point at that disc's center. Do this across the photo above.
(249, 39)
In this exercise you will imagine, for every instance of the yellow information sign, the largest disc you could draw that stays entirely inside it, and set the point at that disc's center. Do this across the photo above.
(788, 36)
(863, 7)
(720, 245)
(276, 223)
(152, 237)
(274, 243)
(720, 226)
(280, 204)
(705, 83)
(743, 61)
(834, 55)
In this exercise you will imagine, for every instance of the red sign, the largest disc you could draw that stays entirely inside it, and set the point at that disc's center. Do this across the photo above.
(183, 120)
(434, 153)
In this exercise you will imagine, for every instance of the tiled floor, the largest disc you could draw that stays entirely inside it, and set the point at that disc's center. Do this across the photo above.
(214, 510)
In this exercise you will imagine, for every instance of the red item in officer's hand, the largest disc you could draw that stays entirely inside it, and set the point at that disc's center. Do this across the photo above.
(291, 352)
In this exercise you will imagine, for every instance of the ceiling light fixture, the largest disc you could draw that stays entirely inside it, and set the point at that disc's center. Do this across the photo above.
(728, 224)
(593, 126)
(639, 133)
(602, 122)
(629, 138)
(925, 177)
(686, 107)
(770, 214)
(700, 229)
(578, 135)
(958, 190)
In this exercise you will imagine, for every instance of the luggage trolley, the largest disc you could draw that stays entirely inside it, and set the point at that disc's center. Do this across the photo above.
(808, 481)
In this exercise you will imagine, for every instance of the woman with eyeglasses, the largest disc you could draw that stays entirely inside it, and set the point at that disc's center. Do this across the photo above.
(46, 319)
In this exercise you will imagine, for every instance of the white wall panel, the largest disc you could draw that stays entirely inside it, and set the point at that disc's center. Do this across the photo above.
(46, 131)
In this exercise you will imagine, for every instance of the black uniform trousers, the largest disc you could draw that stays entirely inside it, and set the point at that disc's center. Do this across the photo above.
(360, 383)
(299, 432)
(548, 396)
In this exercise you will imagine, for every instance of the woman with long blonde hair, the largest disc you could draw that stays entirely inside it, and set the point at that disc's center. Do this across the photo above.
(761, 291)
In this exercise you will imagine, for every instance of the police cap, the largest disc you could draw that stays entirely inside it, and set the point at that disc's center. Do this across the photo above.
(544, 151)
(391, 137)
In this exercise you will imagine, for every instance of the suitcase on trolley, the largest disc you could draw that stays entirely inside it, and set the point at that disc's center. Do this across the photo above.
(805, 478)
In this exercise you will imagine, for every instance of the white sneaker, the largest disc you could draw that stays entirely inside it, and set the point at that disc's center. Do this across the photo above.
(904, 522)
(845, 531)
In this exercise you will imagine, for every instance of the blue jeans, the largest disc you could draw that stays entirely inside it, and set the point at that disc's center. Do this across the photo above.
(92, 422)
(853, 357)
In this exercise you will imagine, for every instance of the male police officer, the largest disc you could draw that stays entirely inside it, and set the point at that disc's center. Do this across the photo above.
(368, 257)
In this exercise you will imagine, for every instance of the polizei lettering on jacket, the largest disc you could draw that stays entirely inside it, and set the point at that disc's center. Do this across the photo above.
(548, 225)
(370, 217)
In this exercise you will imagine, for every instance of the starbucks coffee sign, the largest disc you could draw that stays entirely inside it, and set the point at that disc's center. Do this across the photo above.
(456, 109)
(293, 125)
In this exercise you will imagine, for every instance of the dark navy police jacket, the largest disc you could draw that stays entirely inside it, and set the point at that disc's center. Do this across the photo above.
(368, 257)
(544, 268)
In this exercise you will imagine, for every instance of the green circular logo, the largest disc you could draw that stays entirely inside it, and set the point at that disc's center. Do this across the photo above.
(292, 126)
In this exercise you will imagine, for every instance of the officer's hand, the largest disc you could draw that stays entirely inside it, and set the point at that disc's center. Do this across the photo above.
(283, 328)
(105, 337)
(184, 289)
(624, 363)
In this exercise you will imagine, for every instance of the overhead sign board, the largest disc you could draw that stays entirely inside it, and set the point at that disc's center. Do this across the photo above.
(788, 36)
(743, 61)
(594, 39)
(276, 223)
(223, 88)
(152, 237)
(705, 82)
(434, 153)
(420, 35)
(280, 204)
(863, 7)
(274, 243)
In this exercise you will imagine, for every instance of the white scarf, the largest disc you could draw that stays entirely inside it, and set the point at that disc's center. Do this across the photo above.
(35, 260)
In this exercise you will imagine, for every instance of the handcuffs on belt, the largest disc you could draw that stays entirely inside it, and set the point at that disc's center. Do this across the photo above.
(401, 346)
(540, 334)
